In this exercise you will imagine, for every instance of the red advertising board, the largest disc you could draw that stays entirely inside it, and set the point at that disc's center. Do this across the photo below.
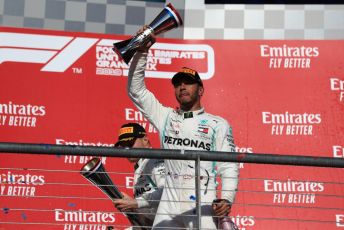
(68, 88)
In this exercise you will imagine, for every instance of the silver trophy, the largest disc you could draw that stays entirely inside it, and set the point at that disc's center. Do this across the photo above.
(168, 19)
(94, 171)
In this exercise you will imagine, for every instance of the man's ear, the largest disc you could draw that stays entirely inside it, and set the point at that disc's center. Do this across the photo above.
(200, 90)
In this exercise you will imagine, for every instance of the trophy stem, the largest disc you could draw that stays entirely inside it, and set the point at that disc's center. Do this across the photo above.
(126, 49)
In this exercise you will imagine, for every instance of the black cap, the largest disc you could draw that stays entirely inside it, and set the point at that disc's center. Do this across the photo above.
(186, 72)
(130, 131)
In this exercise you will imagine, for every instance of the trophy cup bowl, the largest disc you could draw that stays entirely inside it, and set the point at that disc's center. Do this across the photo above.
(94, 171)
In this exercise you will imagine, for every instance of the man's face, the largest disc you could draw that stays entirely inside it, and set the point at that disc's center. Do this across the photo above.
(187, 93)
(142, 143)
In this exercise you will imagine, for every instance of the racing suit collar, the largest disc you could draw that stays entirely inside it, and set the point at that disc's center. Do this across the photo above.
(190, 114)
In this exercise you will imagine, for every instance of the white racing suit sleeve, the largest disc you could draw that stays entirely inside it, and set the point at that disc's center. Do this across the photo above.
(228, 171)
(144, 100)
(150, 199)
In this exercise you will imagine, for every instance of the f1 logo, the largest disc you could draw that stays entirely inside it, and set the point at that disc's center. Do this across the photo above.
(58, 53)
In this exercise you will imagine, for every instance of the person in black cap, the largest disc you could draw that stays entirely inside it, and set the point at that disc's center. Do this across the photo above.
(189, 75)
(149, 176)
(187, 128)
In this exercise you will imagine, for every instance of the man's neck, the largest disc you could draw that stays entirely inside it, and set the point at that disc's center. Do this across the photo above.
(194, 107)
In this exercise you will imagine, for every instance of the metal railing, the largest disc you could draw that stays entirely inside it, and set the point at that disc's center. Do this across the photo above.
(197, 156)
(257, 158)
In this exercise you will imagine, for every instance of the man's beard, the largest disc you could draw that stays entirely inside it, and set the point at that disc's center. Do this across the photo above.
(187, 104)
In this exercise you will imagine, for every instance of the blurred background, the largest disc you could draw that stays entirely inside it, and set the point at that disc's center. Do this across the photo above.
(203, 20)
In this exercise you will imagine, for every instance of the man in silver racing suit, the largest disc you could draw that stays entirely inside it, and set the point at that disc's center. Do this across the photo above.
(188, 128)
(149, 176)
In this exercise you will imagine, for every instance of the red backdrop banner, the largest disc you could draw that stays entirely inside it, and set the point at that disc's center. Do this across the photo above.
(69, 88)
